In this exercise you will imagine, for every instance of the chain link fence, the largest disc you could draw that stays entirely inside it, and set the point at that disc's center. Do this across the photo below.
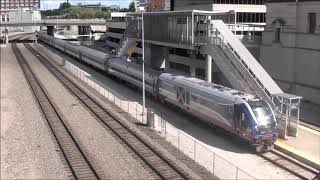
(190, 146)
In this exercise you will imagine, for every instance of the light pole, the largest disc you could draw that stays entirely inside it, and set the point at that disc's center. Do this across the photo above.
(143, 81)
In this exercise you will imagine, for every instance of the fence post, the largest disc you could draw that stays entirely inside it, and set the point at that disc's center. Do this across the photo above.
(128, 107)
(213, 162)
(194, 150)
(237, 172)
(165, 130)
(82, 75)
(136, 111)
(178, 139)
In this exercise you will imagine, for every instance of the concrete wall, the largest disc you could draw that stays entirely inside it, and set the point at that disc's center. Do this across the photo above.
(294, 61)
(226, 7)
(24, 14)
(193, 63)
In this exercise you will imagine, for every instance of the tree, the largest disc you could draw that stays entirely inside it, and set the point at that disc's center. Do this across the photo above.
(54, 12)
(65, 5)
(100, 14)
(132, 7)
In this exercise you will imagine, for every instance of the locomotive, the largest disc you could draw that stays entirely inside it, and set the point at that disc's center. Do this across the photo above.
(244, 115)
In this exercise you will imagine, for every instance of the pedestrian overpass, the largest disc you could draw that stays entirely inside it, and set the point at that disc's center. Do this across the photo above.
(55, 22)
(209, 33)
(84, 24)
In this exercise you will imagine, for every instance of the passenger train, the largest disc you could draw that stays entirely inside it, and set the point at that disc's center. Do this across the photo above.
(242, 114)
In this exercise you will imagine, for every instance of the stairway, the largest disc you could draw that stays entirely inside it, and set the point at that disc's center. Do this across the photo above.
(227, 68)
(232, 56)
(127, 47)
(129, 42)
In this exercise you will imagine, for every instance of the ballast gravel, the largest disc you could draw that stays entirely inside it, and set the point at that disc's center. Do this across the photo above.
(109, 155)
(28, 150)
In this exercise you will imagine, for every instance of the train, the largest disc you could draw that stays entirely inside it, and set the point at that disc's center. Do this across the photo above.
(244, 115)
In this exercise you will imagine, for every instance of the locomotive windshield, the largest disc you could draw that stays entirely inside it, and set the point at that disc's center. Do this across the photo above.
(263, 114)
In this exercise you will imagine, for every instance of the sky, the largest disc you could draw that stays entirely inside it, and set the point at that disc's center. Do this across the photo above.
(54, 4)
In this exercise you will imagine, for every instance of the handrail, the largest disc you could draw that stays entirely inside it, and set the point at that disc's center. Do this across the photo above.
(237, 47)
(218, 38)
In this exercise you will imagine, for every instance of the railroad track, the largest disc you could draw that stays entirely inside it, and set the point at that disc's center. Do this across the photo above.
(26, 38)
(161, 166)
(289, 164)
(79, 164)
(19, 37)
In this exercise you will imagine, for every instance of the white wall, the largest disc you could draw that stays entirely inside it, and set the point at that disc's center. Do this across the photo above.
(24, 14)
(226, 7)
(295, 60)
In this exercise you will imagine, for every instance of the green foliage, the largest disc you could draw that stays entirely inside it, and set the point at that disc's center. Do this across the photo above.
(64, 6)
(54, 12)
(75, 12)
(131, 7)
(101, 14)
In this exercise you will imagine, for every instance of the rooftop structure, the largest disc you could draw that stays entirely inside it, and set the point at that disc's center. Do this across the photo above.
(248, 11)
(116, 27)
(91, 6)
(139, 5)
(158, 5)
(15, 4)
(12, 7)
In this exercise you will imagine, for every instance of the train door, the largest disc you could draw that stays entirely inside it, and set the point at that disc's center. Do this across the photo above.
(242, 120)
(155, 87)
(183, 95)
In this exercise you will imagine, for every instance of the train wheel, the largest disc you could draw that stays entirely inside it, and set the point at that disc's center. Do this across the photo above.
(260, 148)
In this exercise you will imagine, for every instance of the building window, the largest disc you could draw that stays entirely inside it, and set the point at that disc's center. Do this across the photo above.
(277, 35)
(312, 22)
(247, 17)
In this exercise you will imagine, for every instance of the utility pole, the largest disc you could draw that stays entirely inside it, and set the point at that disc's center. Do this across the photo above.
(143, 80)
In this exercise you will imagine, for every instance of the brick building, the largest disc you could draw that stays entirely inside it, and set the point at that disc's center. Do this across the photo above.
(15, 4)
(158, 5)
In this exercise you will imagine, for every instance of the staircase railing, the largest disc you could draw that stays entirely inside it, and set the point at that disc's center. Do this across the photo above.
(218, 38)
(132, 30)
(283, 104)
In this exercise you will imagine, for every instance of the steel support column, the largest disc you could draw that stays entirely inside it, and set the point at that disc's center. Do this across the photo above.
(6, 35)
(50, 30)
(209, 68)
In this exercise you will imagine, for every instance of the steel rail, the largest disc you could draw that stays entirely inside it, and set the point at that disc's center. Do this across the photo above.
(290, 165)
(77, 161)
(162, 166)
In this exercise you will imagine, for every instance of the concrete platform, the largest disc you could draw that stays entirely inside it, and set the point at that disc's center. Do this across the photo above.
(305, 147)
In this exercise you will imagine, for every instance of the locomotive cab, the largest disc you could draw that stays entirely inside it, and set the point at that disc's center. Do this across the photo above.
(255, 122)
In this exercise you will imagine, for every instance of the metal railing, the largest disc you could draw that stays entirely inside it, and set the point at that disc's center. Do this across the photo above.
(235, 57)
(218, 39)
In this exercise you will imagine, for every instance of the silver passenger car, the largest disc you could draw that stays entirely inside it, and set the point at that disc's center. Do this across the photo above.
(132, 73)
(211, 102)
